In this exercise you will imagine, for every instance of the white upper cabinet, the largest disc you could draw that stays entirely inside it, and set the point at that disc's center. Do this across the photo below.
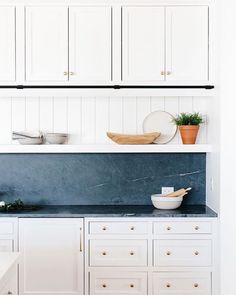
(165, 44)
(8, 46)
(46, 43)
(187, 43)
(90, 44)
(52, 256)
(143, 46)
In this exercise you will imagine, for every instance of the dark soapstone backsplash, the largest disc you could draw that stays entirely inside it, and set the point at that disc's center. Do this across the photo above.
(99, 179)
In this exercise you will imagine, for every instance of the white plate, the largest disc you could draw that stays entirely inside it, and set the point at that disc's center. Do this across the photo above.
(160, 121)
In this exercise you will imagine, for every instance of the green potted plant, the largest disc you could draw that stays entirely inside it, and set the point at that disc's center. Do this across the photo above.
(188, 124)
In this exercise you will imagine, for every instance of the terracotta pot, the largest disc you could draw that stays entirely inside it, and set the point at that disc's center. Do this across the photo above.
(188, 133)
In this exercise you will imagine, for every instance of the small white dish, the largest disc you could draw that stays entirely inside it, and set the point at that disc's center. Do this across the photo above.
(26, 141)
(160, 121)
(56, 138)
(167, 203)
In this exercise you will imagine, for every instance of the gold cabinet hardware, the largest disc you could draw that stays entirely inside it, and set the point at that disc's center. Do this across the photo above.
(131, 253)
(162, 73)
(168, 228)
(196, 227)
(132, 228)
(104, 253)
(104, 285)
(196, 253)
(196, 285)
(9, 293)
(167, 285)
(65, 73)
(72, 73)
(168, 253)
(131, 285)
(168, 73)
(104, 228)
(81, 240)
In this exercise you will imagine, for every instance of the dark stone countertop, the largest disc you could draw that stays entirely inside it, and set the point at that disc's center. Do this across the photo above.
(113, 211)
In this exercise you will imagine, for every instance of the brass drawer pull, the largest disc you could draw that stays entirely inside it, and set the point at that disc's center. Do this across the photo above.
(131, 253)
(9, 293)
(72, 73)
(167, 285)
(104, 285)
(104, 253)
(168, 73)
(162, 73)
(196, 227)
(168, 253)
(196, 253)
(104, 228)
(131, 285)
(168, 228)
(196, 285)
(65, 73)
(132, 228)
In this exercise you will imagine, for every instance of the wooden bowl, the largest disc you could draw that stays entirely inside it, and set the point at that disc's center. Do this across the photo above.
(146, 138)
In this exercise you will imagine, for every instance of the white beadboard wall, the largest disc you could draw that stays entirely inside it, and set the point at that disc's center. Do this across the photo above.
(87, 119)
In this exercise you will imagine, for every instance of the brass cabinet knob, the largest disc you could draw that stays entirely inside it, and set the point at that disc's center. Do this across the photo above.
(72, 73)
(131, 253)
(104, 285)
(196, 253)
(162, 73)
(104, 228)
(168, 253)
(65, 73)
(131, 285)
(168, 73)
(132, 228)
(9, 293)
(167, 285)
(196, 227)
(104, 253)
(196, 285)
(168, 228)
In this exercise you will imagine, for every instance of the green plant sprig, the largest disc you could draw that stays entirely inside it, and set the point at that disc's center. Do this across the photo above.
(188, 119)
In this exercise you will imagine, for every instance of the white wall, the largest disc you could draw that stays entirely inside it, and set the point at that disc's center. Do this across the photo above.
(228, 148)
(87, 119)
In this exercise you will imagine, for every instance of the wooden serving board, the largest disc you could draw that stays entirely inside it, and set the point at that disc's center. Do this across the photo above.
(146, 138)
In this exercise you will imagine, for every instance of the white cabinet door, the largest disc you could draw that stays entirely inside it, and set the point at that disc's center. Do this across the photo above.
(52, 256)
(8, 46)
(90, 44)
(11, 283)
(143, 46)
(187, 43)
(46, 43)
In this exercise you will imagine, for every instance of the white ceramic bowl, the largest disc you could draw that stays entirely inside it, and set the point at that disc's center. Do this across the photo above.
(167, 203)
(56, 138)
(36, 140)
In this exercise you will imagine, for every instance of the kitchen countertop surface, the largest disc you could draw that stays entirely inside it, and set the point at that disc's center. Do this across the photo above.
(113, 211)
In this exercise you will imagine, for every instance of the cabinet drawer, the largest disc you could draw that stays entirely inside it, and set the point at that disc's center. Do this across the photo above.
(118, 253)
(182, 252)
(6, 245)
(181, 227)
(118, 283)
(182, 283)
(118, 228)
(6, 228)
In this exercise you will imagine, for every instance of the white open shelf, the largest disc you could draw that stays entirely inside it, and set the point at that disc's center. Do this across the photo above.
(151, 148)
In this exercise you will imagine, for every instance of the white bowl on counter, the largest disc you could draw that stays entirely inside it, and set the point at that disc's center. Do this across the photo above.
(166, 203)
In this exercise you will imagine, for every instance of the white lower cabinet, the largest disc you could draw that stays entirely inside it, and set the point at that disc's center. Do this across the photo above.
(118, 283)
(10, 286)
(52, 256)
(154, 256)
(183, 283)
